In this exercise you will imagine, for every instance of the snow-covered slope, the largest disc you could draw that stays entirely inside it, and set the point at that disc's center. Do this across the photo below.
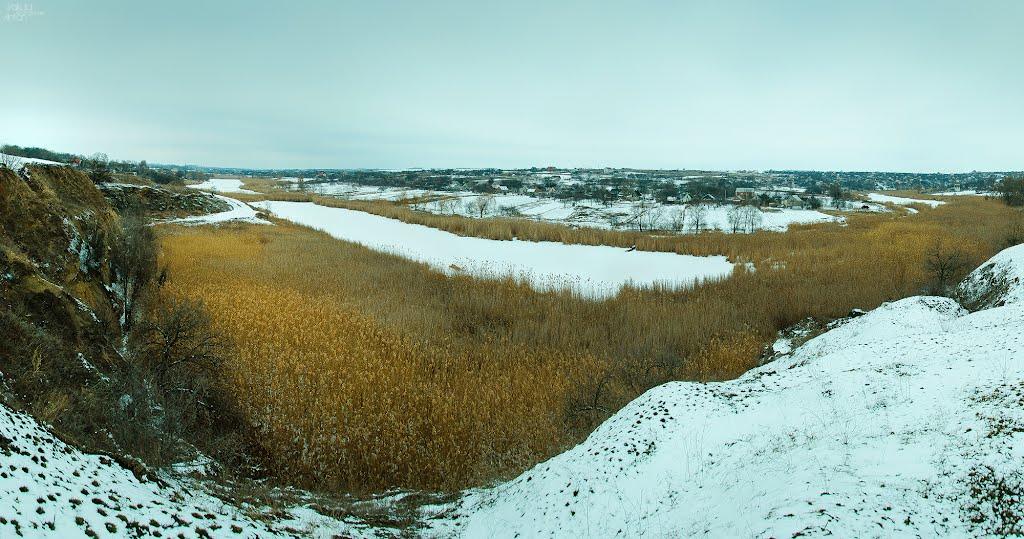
(906, 421)
(49, 489)
(996, 282)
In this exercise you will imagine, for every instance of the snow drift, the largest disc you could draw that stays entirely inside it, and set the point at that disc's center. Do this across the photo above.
(905, 421)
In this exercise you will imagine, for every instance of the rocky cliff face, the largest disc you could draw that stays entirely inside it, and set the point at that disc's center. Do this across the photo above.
(58, 313)
(161, 202)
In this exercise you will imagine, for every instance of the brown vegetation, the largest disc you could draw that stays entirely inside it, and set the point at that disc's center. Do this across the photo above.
(365, 370)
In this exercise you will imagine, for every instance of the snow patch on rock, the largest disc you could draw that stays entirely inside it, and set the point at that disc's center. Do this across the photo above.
(240, 212)
(996, 282)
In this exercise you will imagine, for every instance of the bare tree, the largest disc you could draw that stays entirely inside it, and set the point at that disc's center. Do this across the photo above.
(652, 217)
(645, 214)
(944, 265)
(677, 218)
(482, 203)
(735, 219)
(698, 218)
(133, 261)
(750, 218)
(174, 379)
(636, 214)
(177, 343)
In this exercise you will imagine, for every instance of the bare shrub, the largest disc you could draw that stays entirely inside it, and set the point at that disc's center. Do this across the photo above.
(172, 389)
(945, 264)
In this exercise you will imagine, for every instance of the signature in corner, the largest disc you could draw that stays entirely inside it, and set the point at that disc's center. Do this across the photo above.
(21, 12)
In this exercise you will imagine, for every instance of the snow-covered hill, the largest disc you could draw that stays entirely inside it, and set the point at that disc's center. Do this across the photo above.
(908, 420)
(49, 489)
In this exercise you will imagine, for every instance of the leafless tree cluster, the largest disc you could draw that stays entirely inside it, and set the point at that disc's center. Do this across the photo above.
(944, 265)
(744, 219)
(646, 215)
(677, 219)
(478, 205)
(698, 217)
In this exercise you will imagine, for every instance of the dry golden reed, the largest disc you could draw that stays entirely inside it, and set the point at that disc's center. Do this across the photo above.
(366, 371)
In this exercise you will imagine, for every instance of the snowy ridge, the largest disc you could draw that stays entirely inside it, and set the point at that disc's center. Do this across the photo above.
(49, 489)
(908, 420)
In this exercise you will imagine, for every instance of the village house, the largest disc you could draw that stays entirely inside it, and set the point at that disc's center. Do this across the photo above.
(745, 194)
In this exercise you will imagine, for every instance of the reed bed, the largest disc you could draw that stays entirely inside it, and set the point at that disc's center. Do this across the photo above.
(366, 371)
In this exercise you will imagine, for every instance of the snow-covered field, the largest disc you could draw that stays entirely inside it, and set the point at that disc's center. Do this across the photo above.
(583, 213)
(49, 489)
(968, 193)
(355, 191)
(906, 421)
(222, 185)
(591, 270)
(902, 201)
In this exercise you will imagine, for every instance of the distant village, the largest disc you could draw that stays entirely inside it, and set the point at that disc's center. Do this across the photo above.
(786, 189)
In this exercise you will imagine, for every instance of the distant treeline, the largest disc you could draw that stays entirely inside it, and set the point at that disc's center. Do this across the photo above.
(37, 153)
(101, 169)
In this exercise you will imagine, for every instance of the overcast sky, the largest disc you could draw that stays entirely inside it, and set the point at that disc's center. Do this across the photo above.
(865, 85)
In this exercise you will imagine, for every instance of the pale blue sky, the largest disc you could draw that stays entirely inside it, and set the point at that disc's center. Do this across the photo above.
(867, 85)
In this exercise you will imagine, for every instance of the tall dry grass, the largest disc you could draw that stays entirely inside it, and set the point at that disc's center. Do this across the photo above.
(368, 371)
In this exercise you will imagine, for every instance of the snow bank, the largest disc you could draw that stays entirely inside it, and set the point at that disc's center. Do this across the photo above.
(902, 201)
(908, 420)
(591, 270)
(240, 211)
(222, 185)
(49, 489)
